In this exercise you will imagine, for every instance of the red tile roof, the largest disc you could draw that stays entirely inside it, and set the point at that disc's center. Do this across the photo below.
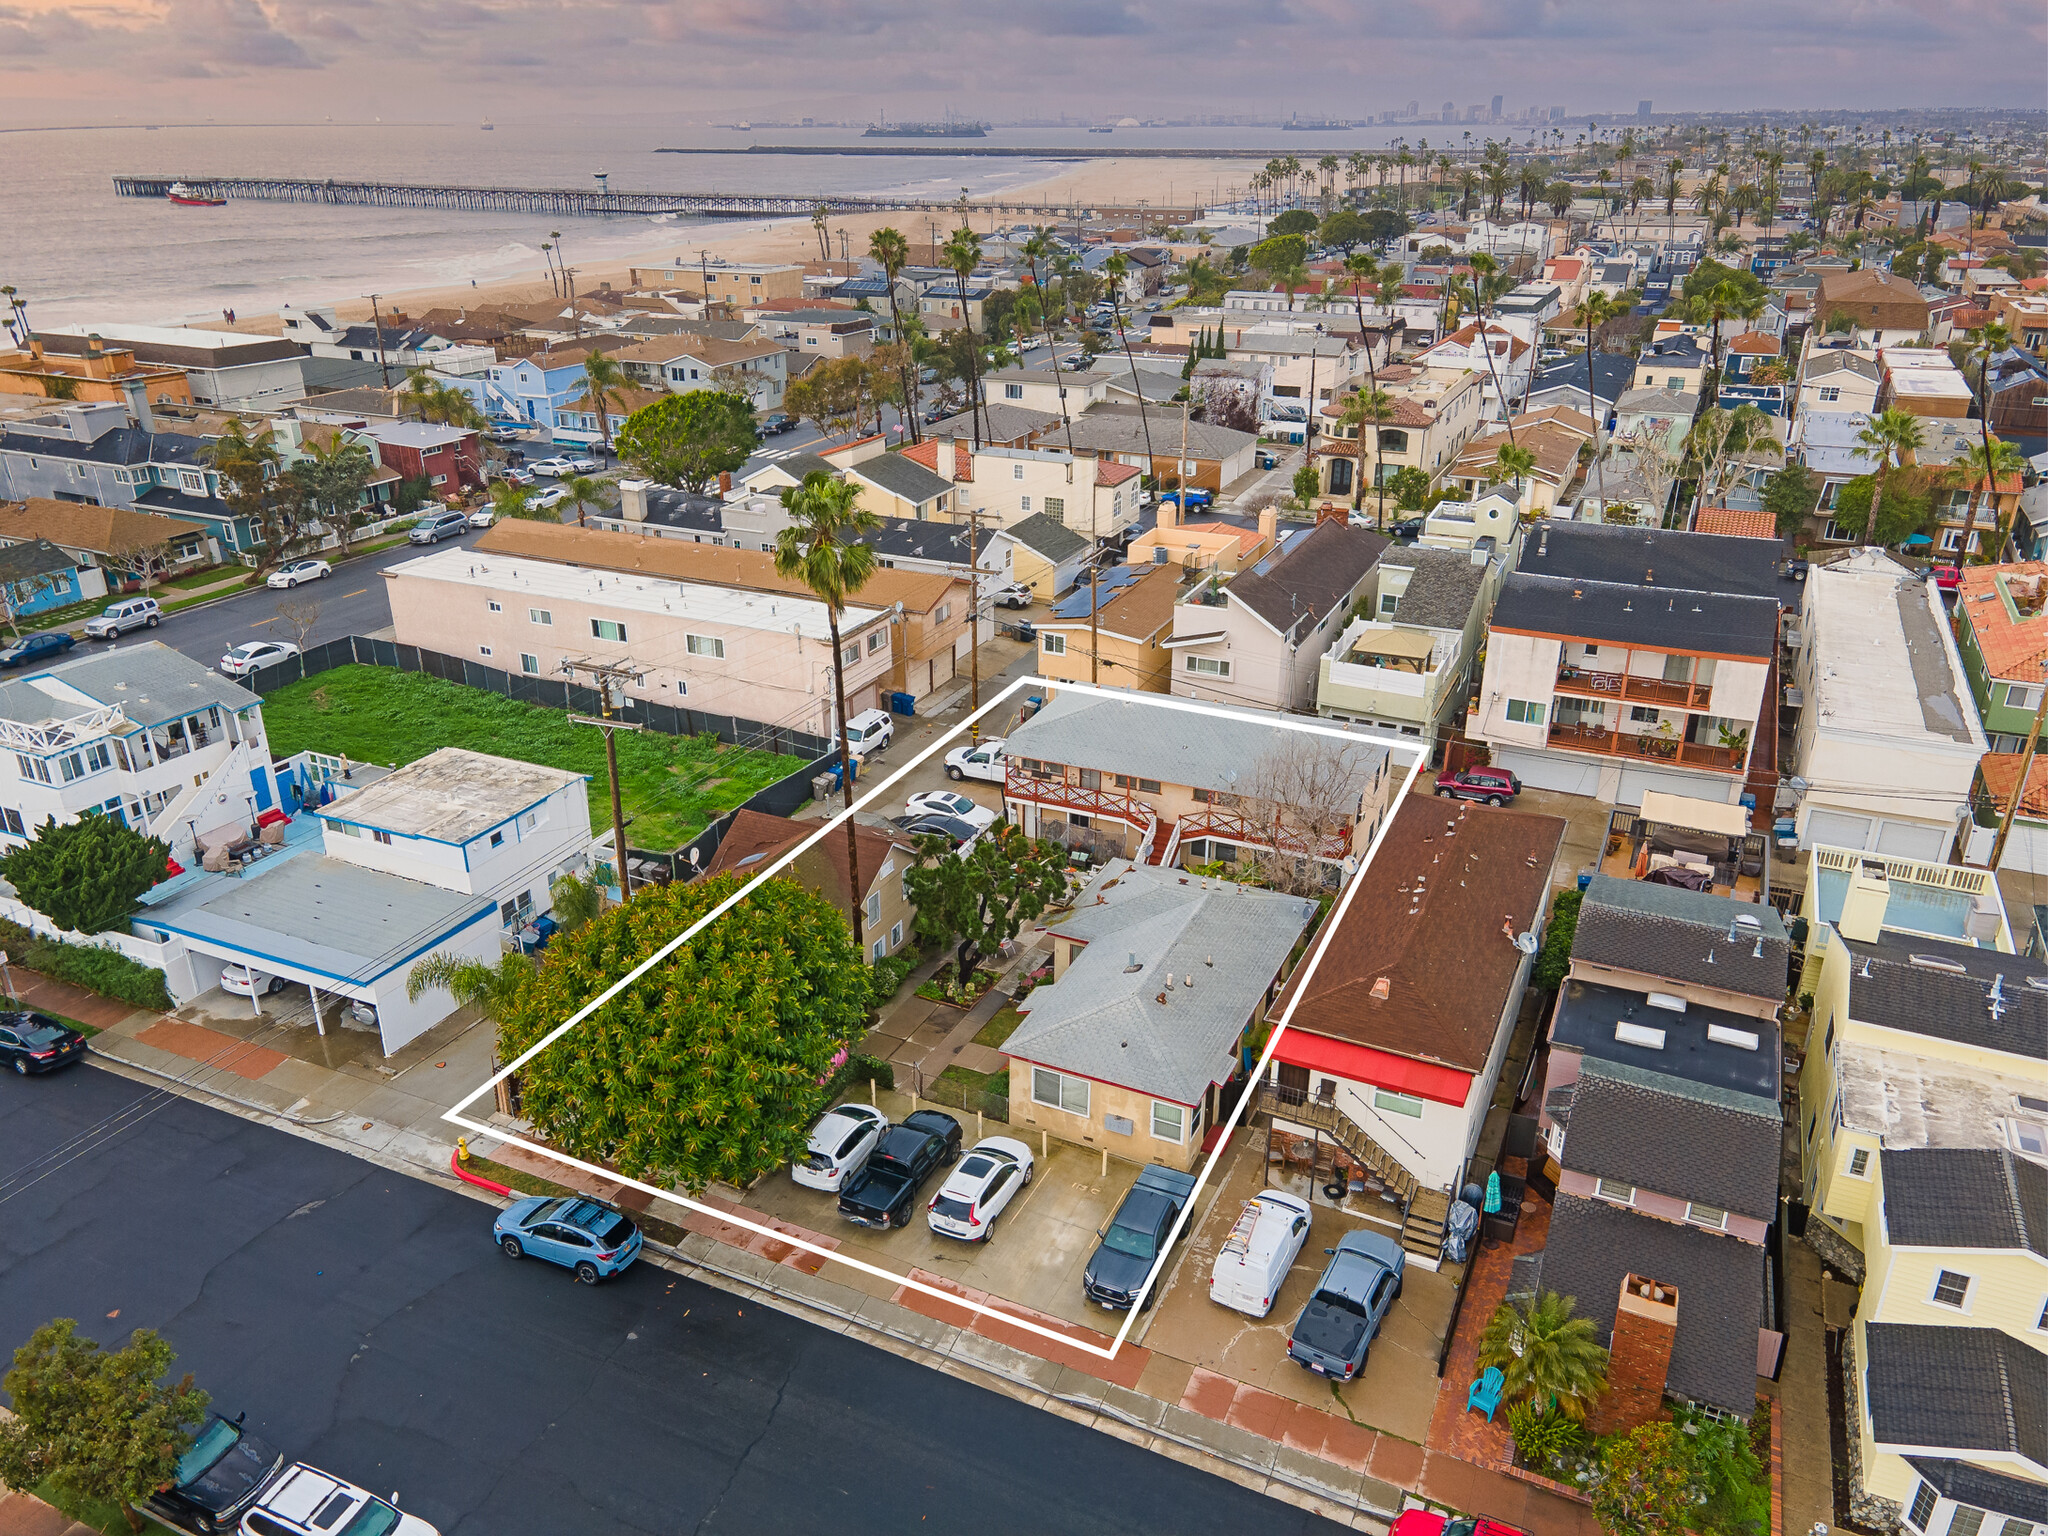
(1109, 472)
(1758, 343)
(2001, 770)
(927, 454)
(1745, 524)
(2009, 648)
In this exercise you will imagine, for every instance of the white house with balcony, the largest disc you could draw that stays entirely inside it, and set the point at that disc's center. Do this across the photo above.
(140, 732)
(1404, 663)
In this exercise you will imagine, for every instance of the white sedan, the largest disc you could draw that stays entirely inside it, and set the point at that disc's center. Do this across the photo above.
(244, 982)
(946, 802)
(289, 576)
(981, 1184)
(555, 466)
(254, 656)
(553, 496)
(839, 1147)
(482, 517)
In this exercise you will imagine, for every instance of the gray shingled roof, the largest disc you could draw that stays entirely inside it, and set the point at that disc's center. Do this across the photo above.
(1662, 557)
(1662, 930)
(1614, 613)
(1296, 589)
(1441, 592)
(905, 477)
(1589, 1012)
(1203, 750)
(1001, 424)
(1888, 990)
(1104, 1020)
(1040, 534)
(150, 681)
(1593, 1244)
(1953, 1197)
(1959, 1389)
(1979, 1487)
(30, 559)
(1655, 1131)
(1120, 429)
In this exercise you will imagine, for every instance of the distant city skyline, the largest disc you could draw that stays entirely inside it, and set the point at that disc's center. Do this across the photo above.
(191, 60)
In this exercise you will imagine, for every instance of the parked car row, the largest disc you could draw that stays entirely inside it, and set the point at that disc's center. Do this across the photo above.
(878, 1170)
(232, 1480)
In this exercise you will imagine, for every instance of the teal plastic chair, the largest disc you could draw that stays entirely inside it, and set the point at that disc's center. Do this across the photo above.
(1485, 1392)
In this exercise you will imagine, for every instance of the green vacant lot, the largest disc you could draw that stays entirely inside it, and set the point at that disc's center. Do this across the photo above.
(672, 785)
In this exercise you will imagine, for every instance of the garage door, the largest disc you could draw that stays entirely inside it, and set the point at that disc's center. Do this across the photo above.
(1546, 771)
(1836, 830)
(1913, 840)
(1634, 781)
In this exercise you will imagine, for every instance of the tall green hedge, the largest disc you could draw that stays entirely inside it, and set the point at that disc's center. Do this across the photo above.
(105, 971)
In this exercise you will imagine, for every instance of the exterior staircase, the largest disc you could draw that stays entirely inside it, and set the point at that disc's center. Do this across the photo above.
(1165, 843)
(1424, 1211)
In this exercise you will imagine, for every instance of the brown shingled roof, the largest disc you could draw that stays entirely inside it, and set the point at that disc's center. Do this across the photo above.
(89, 526)
(755, 839)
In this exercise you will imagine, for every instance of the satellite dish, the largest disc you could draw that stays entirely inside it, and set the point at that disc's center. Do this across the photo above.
(1526, 943)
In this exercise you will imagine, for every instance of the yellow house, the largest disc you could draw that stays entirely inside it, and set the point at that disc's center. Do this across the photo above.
(1947, 1363)
(1156, 978)
(1123, 646)
(1048, 555)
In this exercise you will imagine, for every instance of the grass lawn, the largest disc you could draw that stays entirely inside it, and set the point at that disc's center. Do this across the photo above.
(249, 579)
(1000, 1028)
(212, 576)
(672, 786)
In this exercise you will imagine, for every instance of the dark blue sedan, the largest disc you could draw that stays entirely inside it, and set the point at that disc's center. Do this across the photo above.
(587, 1236)
(36, 647)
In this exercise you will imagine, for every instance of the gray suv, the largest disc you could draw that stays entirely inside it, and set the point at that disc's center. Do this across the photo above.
(444, 525)
(119, 617)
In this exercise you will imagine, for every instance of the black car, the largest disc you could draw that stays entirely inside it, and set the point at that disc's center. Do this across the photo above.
(35, 1042)
(776, 422)
(884, 1192)
(1407, 530)
(28, 648)
(220, 1477)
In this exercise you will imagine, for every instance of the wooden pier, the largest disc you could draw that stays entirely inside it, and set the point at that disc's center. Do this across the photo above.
(567, 201)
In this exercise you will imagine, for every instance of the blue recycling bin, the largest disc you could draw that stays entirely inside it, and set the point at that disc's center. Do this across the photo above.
(902, 704)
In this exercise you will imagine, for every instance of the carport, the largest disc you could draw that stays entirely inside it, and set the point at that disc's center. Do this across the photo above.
(341, 931)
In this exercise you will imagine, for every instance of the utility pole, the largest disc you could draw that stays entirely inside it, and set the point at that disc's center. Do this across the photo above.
(2019, 788)
(377, 325)
(1094, 615)
(974, 619)
(575, 315)
(610, 679)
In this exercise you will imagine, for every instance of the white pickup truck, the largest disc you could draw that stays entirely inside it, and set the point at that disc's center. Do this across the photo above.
(985, 761)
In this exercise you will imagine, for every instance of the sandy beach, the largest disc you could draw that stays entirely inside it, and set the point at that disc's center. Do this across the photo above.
(1158, 182)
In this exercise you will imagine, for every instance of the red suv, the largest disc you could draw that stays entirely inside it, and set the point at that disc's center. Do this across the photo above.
(1496, 786)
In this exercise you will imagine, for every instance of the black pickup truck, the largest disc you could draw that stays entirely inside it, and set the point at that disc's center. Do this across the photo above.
(883, 1193)
(1135, 1237)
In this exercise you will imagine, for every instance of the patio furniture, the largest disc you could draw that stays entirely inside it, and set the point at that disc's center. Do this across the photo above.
(1276, 1148)
(1484, 1394)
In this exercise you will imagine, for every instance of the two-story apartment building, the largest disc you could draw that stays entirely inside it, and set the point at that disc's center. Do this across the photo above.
(1555, 439)
(827, 333)
(1097, 498)
(1433, 414)
(756, 367)
(1256, 638)
(450, 459)
(1201, 454)
(1629, 659)
(1113, 630)
(758, 655)
(1880, 308)
(531, 389)
(1162, 781)
(454, 854)
(736, 283)
(220, 368)
(1887, 740)
(1503, 377)
(1661, 1123)
(1397, 1038)
(1042, 389)
(1404, 662)
(1677, 364)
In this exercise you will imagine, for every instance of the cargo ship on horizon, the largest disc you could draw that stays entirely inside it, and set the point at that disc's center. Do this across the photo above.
(951, 128)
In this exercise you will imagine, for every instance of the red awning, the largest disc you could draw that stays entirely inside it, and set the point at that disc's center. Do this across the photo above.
(1382, 1069)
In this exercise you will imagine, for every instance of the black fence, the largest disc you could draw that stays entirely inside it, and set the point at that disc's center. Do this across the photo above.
(777, 799)
(549, 692)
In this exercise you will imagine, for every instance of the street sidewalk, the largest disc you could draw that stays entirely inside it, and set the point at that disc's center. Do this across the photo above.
(270, 1064)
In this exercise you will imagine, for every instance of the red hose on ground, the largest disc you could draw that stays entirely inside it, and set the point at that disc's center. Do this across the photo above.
(455, 1162)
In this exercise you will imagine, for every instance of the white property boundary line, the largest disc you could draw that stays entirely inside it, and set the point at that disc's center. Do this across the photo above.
(1297, 986)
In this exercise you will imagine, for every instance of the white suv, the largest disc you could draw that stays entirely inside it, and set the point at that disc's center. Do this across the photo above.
(869, 731)
(129, 613)
(305, 1501)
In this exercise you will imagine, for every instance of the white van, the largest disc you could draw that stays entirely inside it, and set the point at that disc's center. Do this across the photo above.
(1252, 1264)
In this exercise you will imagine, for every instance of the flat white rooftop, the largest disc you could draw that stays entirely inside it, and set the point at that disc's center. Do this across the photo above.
(629, 593)
(450, 795)
(1884, 665)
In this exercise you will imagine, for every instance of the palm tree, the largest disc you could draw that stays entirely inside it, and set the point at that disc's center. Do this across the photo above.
(815, 549)
(1489, 283)
(1982, 466)
(491, 989)
(419, 384)
(1370, 407)
(1725, 300)
(1890, 436)
(1595, 310)
(1989, 340)
(339, 471)
(607, 382)
(819, 217)
(962, 253)
(1362, 269)
(1545, 1352)
(888, 249)
(584, 491)
(1514, 463)
(1115, 269)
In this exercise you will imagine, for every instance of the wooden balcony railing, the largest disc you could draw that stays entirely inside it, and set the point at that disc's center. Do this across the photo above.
(1610, 743)
(1633, 690)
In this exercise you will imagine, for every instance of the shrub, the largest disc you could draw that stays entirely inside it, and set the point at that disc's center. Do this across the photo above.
(105, 971)
(1555, 959)
(1542, 1434)
(890, 973)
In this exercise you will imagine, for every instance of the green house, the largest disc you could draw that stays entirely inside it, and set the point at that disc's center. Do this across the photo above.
(2002, 633)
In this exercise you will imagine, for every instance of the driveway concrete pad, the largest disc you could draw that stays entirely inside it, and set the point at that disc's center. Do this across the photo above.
(197, 1043)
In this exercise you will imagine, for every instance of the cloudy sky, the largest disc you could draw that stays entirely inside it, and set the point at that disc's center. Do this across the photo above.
(68, 61)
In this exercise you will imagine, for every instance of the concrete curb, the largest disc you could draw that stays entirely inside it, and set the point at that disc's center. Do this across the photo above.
(188, 1085)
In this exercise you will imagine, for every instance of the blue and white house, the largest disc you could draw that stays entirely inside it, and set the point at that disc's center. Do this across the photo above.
(530, 389)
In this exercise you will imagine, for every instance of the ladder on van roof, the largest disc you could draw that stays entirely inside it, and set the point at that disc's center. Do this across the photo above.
(1240, 1240)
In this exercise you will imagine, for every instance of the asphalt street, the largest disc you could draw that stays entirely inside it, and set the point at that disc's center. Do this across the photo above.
(367, 1325)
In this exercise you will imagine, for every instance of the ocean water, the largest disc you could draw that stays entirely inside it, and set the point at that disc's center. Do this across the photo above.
(78, 253)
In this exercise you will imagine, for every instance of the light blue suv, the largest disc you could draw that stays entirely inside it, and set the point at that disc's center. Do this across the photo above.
(587, 1236)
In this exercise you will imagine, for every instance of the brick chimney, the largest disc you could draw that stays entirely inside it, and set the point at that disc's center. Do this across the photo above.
(633, 500)
(1645, 1326)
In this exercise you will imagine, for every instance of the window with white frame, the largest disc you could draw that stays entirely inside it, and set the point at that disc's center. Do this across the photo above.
(483, 650)
(540, 616)
(1525, 712)
(1055, 645)
(1830, 393)
(493, 606)
(1396, 1104)
(1922, 1509)
(705, 645)
(1966, 1521)
(1208, 666)
(1016, 471)
(877, 640)
(895, 935)
(1706, 1215)
(1615, 1190)
(942, 613)
(528, 662)
(874, 906)
(1169, 1122)
(2021, 696)
(1060, 1090)
(1859, 1163)
(1024, 503)
(608, 629)
(849, 654)
(1951, 1288)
